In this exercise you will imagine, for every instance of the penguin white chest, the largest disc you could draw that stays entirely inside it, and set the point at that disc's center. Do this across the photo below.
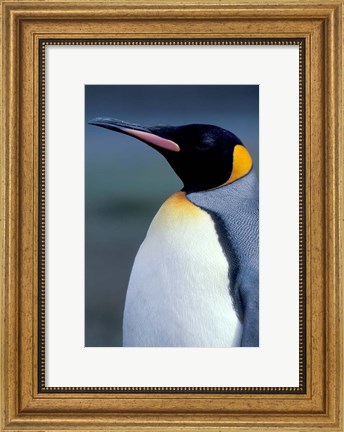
(178, 294)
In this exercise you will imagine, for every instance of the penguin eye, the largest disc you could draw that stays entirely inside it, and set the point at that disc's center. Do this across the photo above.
(202, 145)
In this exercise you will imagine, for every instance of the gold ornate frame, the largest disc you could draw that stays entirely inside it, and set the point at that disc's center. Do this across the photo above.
(26, 403)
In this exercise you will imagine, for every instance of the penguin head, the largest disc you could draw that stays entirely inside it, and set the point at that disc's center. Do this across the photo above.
(203, 156)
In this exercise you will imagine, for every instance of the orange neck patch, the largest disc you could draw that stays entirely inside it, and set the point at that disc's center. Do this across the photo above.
(177, 211)
(179, 203)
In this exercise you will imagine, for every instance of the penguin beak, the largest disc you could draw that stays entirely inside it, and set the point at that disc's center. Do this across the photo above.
(140, 132)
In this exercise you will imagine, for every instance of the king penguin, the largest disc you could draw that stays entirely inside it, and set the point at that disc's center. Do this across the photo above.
(195, 278)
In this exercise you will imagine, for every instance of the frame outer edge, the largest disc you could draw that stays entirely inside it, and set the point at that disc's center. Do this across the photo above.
(333, 143)
(339, 84)
(3, 226)
(9, 208)
(9, 226)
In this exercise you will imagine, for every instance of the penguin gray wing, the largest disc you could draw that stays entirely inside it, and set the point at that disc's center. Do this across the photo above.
(247, 289)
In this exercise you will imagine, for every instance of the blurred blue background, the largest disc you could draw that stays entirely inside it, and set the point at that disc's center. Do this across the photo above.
(126, 181)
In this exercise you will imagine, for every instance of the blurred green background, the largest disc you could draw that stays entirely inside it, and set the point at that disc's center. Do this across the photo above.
(126, 181)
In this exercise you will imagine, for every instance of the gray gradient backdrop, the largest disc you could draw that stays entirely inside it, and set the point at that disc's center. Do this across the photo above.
(126, 182)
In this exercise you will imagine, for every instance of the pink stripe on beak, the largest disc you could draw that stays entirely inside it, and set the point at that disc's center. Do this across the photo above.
(153, 139)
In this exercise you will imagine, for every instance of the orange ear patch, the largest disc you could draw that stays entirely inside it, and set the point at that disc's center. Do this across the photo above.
(242, 163)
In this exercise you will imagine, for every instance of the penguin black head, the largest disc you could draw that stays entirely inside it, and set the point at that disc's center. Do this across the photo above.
(203, 156)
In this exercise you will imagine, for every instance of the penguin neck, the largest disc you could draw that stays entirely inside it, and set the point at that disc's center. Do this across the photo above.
(229, 195)
(234, 207)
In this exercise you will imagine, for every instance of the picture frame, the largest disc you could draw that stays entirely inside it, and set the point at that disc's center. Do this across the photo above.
(26, 402)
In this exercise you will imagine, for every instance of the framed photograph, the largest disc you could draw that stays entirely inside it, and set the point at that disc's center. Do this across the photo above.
(112, 316)
(172, 179)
